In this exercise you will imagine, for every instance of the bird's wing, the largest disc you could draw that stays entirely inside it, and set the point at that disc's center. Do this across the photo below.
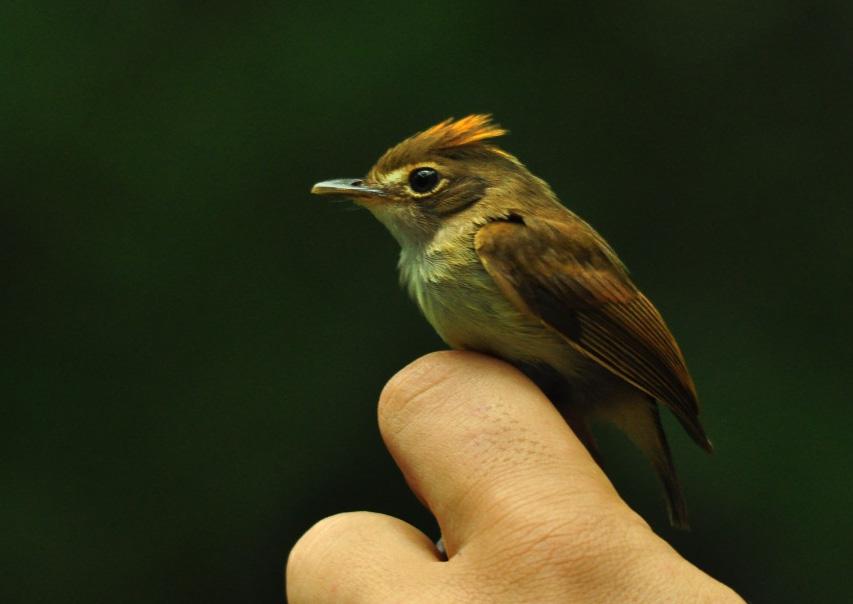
(564, 273)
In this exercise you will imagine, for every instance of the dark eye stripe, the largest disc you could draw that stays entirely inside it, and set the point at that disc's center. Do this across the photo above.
(460, 195)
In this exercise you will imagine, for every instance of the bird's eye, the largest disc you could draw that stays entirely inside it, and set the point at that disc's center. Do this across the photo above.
(423, 180)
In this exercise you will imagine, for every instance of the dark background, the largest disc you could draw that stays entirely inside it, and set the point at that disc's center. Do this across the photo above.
(192, 345)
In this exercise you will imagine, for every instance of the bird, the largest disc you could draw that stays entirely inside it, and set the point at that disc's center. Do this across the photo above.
(498, 265)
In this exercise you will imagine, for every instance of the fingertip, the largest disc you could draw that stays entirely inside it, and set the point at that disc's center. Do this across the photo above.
(418, 378)
(429, 378)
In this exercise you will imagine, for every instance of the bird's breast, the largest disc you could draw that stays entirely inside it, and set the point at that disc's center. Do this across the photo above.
(464, 305)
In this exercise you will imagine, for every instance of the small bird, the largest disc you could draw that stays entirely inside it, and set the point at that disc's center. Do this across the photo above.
(499, 266)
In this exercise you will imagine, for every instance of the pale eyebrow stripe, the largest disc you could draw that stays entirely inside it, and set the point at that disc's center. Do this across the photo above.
(398, 174)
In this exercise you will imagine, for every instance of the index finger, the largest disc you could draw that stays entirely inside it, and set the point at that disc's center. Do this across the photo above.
(486, 450)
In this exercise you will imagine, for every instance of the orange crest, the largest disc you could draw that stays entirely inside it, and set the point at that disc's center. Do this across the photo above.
(446, 135)
(468, 130)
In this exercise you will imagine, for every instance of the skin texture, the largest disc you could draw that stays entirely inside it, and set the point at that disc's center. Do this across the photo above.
(525, 512)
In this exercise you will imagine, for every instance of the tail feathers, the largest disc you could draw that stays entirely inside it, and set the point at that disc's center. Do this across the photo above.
(634, 413)
(661, 459)
(640, 420)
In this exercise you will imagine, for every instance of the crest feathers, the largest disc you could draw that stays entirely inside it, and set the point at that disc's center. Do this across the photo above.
(445, 136)
(457, 133)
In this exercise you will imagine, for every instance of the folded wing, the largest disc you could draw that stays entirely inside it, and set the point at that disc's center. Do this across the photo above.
(560, 270)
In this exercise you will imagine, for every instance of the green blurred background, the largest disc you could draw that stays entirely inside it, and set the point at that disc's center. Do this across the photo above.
(193, 346)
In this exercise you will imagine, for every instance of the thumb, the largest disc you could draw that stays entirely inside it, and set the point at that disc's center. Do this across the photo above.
(361, 557)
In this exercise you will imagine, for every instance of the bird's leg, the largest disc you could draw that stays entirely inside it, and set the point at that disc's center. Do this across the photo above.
(573, 409)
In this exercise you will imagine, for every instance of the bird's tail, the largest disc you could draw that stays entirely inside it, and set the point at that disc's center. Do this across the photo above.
(644, 428)
(633, 412)
(640, 420)
(661, 459)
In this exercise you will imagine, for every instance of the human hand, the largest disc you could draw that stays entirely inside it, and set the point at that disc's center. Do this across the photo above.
(525, 513)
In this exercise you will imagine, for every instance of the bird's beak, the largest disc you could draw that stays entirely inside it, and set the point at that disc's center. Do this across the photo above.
(348, 187)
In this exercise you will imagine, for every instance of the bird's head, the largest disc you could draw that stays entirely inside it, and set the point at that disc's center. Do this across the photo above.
(420, 183)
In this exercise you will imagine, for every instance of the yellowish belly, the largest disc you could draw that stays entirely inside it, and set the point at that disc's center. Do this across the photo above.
(469, 312)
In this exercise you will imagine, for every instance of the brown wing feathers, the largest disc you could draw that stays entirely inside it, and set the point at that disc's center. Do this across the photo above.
(619, 340)
(563, 272)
